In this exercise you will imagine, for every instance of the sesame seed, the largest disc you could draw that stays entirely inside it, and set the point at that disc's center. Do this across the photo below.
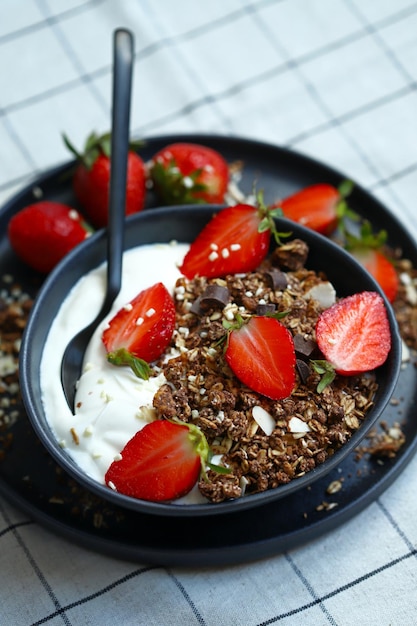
(150, 312)
(73, 215)
(225, 253)
(128, 307)
(235, 247)
(139, 321)
(214, 246)
(112, 485)
(188, 182)
(213, 256)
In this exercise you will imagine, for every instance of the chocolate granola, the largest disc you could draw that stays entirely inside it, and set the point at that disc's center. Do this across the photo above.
(264, 443)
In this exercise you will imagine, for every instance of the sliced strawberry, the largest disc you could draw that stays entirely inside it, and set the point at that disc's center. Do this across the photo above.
(161, 462)
(318, 207)
(141, 330)
(184, 173)
(354, 334)
(261, 354)
(42, 233)
(234, 241)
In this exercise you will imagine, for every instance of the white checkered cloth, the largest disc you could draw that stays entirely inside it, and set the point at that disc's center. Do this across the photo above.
(333, 79)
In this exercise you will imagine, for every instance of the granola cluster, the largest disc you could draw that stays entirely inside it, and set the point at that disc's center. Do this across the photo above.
(14, 310)
(264, 443)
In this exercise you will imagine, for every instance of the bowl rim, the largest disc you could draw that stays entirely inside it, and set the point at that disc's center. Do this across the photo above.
(95, 245)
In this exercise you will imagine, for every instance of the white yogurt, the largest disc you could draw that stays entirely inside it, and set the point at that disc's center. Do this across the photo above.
(112, 403)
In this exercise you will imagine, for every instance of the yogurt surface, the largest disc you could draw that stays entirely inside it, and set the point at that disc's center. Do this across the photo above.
(112, 404)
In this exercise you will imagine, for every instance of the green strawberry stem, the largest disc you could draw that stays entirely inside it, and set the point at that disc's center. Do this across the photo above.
(202, 448)
(367, 239)
(176, 188)
(123, 357)
(267, 217)
(94, 146)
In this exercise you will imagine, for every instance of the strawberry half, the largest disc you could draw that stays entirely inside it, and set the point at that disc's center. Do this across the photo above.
(354, 334)
(42, 233)
(140, 332)
(261, 354)
(319, 207)
(187, 173)
(235, 240)
(161, 462)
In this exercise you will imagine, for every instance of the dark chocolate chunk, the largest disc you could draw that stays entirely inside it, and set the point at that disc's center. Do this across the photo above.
(303, 370)
(277, 280)
(214, 296)
(195, 307)
(265, 309)
(304, 348)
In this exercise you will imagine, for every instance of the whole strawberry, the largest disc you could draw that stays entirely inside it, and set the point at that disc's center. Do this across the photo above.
(187, 173)
(42, 233)
(91, 179)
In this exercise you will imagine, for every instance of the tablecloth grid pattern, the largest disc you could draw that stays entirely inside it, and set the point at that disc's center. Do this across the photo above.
(334, 79)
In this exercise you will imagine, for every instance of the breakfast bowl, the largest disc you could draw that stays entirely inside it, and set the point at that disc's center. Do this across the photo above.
(72, 295)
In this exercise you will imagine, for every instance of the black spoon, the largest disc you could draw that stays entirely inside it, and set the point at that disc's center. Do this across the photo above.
(122, 81)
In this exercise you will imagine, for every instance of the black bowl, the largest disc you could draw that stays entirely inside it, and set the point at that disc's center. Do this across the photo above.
(183, 224)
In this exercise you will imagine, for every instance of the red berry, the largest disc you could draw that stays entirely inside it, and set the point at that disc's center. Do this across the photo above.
(159, 463)
(354, 334)
(380, 268)
(261, 354)
(230, 243)
(91, 180)
(42, 233)
(186, 173)
(143, 329)
(314, 207)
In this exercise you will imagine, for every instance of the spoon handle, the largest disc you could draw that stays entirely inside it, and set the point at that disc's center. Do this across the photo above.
(122, 85)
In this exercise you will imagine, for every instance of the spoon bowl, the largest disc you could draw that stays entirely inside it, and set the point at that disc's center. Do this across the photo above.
(122, 83)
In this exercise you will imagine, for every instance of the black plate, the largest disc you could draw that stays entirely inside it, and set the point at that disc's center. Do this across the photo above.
(30, 479)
